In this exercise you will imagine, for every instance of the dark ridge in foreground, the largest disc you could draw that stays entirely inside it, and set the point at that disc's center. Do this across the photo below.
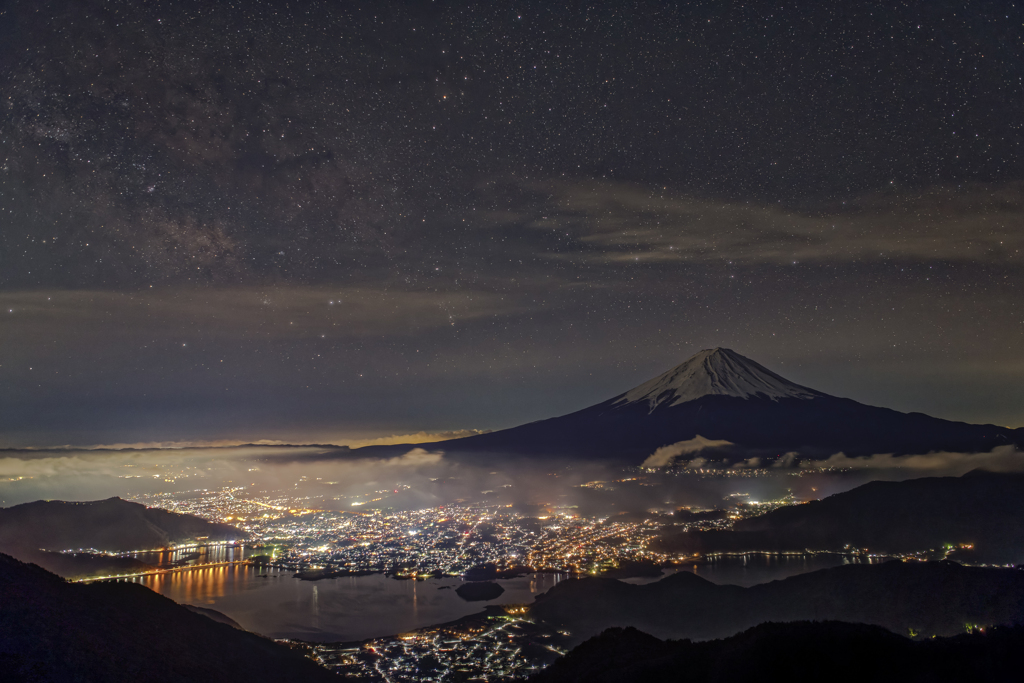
(930, 598)
(799, 651)
(51, 630)
(219, 617)
(981, 509)
(112, 525)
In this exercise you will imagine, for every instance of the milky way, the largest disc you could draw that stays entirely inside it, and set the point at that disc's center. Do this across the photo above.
(328, 220)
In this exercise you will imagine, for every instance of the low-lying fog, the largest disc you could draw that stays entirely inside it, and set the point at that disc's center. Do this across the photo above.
(423, 478)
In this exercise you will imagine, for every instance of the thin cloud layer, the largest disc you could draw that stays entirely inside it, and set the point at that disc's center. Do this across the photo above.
(417, 457)
(620, 223)
(667, 455)
(280, 312)
(417, 437)
(1000, 459)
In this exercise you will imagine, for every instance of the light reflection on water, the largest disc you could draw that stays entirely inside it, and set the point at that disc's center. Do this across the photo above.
(754, 568)
(197, 555)
(201, 586)
(273, 603)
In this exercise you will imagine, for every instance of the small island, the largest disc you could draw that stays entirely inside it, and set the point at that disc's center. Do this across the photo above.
(475, 591)
(489, 571)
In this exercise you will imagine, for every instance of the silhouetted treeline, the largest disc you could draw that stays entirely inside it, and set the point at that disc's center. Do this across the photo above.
(794, 652)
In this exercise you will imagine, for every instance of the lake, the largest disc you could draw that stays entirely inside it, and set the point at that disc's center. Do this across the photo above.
(342, 609)
(754, 568)
(275, 604)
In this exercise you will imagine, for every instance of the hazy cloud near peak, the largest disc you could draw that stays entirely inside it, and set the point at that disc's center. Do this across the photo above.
(417, 457)
(666, 455)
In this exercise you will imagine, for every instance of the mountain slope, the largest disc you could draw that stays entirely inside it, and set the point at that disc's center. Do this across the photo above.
(714, 372)
(51, 630)
(801, 651)
(720, 395)
(983, 509)
(933, 598)
(112, 525)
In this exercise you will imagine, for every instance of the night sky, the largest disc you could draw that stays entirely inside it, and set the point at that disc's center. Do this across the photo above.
(324, 221)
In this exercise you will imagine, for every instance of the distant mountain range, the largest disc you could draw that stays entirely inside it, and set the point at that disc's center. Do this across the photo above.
(800, 652)
(981, 509)
(51, 630)
(930, 598)
(29, 531)
(721, 396)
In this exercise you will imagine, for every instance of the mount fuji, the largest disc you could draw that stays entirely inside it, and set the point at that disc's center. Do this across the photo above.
(721, 399)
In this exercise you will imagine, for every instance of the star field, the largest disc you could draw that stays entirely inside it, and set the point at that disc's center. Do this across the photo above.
(308, 221)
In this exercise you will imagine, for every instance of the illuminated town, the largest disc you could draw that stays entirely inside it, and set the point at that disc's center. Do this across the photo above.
(289, 532)
(474, 540)
(446, 540)
(501, 644)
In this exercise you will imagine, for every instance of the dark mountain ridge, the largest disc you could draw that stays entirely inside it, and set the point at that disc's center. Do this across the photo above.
(32, 531)
(799, 651)
(932, 598)
(111, 525)
(720, 395)
(981, 509)
(51, 630)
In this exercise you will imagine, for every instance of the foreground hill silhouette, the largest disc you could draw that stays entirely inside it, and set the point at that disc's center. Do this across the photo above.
(722, 396)
(112, 524)
(800, 651)
(51, 630)
(27, 531)
(931, 598)
(985, 509)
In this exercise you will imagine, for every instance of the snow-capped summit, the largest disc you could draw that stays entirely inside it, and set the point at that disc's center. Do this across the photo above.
(721, 401)
(714, 372)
